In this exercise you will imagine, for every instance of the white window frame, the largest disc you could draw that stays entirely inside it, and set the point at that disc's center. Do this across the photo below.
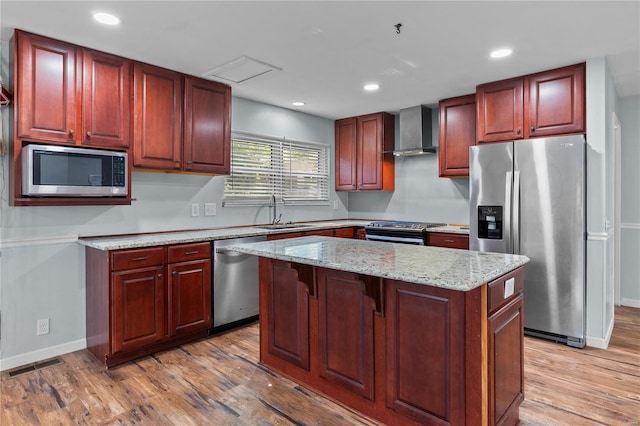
(278, 173)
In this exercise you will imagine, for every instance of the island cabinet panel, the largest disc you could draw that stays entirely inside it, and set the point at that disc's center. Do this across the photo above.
(47, 86)
(425, 328)
(287, 315)
(157, 118)
(345, 332)
(137, 308)
(500, 109)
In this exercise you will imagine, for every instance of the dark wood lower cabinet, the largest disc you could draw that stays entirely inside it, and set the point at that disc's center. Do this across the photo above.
(345, 332)
(421, 356)
(189, 296)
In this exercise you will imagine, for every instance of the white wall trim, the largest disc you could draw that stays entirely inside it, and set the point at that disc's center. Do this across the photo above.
(601, 343)
(42, 354)
(630, 225)
(632, 303)
(600, 236)
(39, 241)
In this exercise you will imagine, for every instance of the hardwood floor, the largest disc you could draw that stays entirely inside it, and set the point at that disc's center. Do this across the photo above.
(217, 381)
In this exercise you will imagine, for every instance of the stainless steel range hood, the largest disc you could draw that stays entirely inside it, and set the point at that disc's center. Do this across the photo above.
(415, 132)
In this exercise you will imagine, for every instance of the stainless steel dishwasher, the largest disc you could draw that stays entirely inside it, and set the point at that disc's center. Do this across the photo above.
(235, 284)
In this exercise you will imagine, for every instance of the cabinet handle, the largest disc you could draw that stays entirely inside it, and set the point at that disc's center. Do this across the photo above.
(518, 131)
(191, 252)
(159, 275)
(189, 162)
(138, 259)
(71, 132)
(88, 134)
(449, 241)
(533, 129)
(174, 273)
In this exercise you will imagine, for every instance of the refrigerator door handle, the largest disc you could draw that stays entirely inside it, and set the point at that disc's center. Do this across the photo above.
(507, 213)
(516, 212)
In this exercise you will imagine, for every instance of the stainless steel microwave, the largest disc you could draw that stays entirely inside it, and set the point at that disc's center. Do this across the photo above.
(61, 171)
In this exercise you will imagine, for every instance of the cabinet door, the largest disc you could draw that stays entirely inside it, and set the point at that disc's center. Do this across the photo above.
(500, 108)
(345, 332)
(425, 327)
(106, 100)
(457, 133)
(189, 296)
(47, 88)
(556, 102)
(137, 308)
(506, 377)
(207, 132)
(370, 145)
(346, 155)
(157, 118)
(287, 316)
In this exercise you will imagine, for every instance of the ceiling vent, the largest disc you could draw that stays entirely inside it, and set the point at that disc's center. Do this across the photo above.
(240, 70)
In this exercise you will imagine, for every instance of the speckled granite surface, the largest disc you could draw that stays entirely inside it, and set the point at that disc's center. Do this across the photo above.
(451, 229)
(439, 267)
(159, 239)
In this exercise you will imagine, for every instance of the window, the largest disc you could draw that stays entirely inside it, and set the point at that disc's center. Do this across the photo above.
(295, 172)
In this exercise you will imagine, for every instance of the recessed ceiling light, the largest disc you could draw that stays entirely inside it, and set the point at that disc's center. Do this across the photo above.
(371, 87)
(501, 53)
(297, 103)
(106, 18)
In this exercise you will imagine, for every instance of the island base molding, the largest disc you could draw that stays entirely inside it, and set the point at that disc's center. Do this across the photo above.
(432, 356)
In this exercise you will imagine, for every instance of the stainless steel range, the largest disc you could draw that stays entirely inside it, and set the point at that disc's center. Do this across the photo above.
(397, 231)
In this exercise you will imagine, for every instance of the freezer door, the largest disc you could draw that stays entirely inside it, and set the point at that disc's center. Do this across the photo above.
(551, 199)
(490, 180)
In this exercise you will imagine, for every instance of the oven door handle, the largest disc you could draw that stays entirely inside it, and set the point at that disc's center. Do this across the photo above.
(389, 239)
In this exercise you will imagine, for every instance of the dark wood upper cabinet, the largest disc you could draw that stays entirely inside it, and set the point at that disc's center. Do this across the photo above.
(106, 100)
(556, 102)
(548, 103)
(346, 154)
(157, 118)
(363, 153)
(207, 130)
(47, 78)
(500, 108)
(457, 128)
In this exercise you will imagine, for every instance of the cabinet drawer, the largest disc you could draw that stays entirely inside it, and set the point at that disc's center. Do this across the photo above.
(138, 258)
(498, 294)
(448, 240)
(193, 251)
(345, 233)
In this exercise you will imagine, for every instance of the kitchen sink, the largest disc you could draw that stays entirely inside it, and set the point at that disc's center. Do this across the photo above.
(283, 226)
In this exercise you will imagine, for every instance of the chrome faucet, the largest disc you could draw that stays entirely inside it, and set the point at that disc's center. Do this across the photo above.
(276, 219)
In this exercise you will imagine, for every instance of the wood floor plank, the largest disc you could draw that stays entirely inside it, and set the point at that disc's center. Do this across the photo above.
(218, 381)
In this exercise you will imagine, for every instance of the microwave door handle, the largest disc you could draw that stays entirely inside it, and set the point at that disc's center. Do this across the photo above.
(507, 213)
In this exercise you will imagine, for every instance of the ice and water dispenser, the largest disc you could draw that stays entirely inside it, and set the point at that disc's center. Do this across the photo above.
(490, 222)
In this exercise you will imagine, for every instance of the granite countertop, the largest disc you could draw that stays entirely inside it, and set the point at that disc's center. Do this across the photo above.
(167, 238)
(451, 229)
(439, 267)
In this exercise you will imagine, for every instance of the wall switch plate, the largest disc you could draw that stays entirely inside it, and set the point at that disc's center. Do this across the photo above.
(42, 326)
(210, 209)
(335, 204)
(195, 210)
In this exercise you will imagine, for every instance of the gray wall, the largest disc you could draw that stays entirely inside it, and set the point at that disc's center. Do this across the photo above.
(42, 268)
(419, 193)
(630, 201)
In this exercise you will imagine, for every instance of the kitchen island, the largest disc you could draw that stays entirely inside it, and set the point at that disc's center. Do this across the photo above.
(403, 334)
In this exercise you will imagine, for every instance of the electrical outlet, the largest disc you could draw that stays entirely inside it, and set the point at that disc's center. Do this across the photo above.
(210, 209)
(195, 210)
(335, 204)
(42, 326)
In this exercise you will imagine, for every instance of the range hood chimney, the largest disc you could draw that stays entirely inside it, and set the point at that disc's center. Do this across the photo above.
(415, 132)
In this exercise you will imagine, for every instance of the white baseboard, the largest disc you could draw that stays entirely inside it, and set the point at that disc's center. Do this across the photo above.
(632, 303)
(599, 342)
(42, 354)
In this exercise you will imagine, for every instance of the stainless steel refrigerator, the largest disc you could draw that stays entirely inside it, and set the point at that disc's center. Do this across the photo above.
(528, 197)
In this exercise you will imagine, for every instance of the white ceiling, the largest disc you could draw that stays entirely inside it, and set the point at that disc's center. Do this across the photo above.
(328, 49)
